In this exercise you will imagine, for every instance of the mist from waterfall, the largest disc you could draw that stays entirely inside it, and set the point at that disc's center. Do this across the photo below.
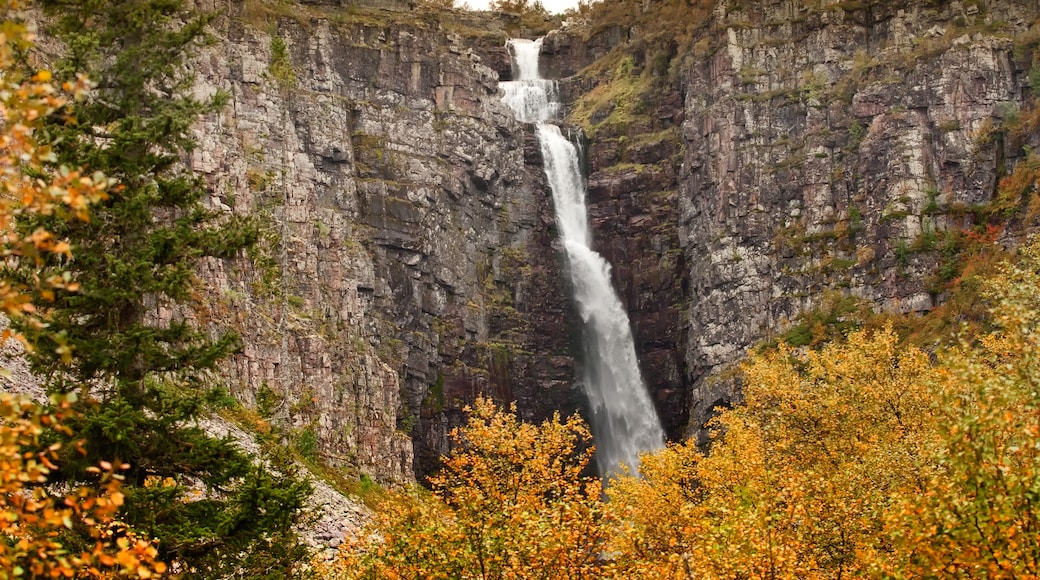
(624, 422)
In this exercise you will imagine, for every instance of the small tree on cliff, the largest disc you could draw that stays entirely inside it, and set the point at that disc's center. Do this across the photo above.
(150, 379)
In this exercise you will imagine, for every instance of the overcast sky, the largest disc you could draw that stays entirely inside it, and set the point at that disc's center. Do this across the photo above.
(555, 6)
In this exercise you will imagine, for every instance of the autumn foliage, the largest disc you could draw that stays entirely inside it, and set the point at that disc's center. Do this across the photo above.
(37, 520)
(47, 531)
(30, 181)
(801, 475)
(867, 458)
(977, 515)
(511, 502)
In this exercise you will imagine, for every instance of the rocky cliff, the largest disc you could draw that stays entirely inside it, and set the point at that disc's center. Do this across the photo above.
(774, 157)
(407, 260)
(825, 150)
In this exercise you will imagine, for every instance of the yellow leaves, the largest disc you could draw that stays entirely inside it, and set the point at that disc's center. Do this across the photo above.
(62, 248)
(659, 519)
(794, 485)
(511, 502)
(968, 516)
(865, 459)
(156, 481)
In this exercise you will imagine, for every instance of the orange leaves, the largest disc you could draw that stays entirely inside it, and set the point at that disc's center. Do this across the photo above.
(659, 517)
(841, 433)
(977, 515)
(518, 494)
(865, 459)
(36, 521)
(798, 478)
(35, 518)
(1016, 189)
(30, 183)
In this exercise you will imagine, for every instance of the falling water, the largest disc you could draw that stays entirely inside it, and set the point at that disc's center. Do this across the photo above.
(624, 421)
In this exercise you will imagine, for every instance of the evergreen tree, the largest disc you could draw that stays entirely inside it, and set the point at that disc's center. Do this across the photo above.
(149, 380)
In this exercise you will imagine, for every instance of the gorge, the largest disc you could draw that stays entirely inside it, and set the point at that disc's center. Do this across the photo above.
(623, 418)
(757, 172)
(371, 288)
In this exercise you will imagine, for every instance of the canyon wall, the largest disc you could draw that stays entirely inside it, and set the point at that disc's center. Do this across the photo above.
(407, 260)
(785, 156)
(818, 151)
(828, 150)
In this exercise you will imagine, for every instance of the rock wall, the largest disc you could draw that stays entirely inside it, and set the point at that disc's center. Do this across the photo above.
(789, 152)
(406, 262)
(805, 151)
(827, 148)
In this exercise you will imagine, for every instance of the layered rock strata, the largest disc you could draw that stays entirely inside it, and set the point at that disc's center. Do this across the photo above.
(800, 151)
(407, 261)
(828, 149)
(804, 151)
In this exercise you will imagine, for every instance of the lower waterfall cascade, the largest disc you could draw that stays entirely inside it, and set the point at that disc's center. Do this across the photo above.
(624, 421)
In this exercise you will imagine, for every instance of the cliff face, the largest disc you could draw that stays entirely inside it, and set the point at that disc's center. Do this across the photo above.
(407, 260)
(824, 151)
(831, 150)
(786, 154)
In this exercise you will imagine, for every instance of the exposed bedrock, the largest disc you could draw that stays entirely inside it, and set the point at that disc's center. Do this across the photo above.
(804, 150)
(409, 259)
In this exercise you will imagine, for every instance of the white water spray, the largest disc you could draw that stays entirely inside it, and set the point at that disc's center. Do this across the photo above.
(624, 421)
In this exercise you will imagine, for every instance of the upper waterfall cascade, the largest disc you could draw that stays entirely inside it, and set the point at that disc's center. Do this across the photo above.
(624, 421)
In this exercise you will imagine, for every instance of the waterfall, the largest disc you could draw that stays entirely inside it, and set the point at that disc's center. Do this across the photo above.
(624, 422)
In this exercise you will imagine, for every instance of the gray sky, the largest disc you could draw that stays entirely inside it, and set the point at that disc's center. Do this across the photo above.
(550, 5)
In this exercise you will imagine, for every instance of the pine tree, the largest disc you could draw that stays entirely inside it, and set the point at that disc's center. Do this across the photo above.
(147, 380)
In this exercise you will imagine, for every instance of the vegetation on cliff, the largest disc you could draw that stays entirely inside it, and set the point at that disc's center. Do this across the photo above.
(643, 69)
